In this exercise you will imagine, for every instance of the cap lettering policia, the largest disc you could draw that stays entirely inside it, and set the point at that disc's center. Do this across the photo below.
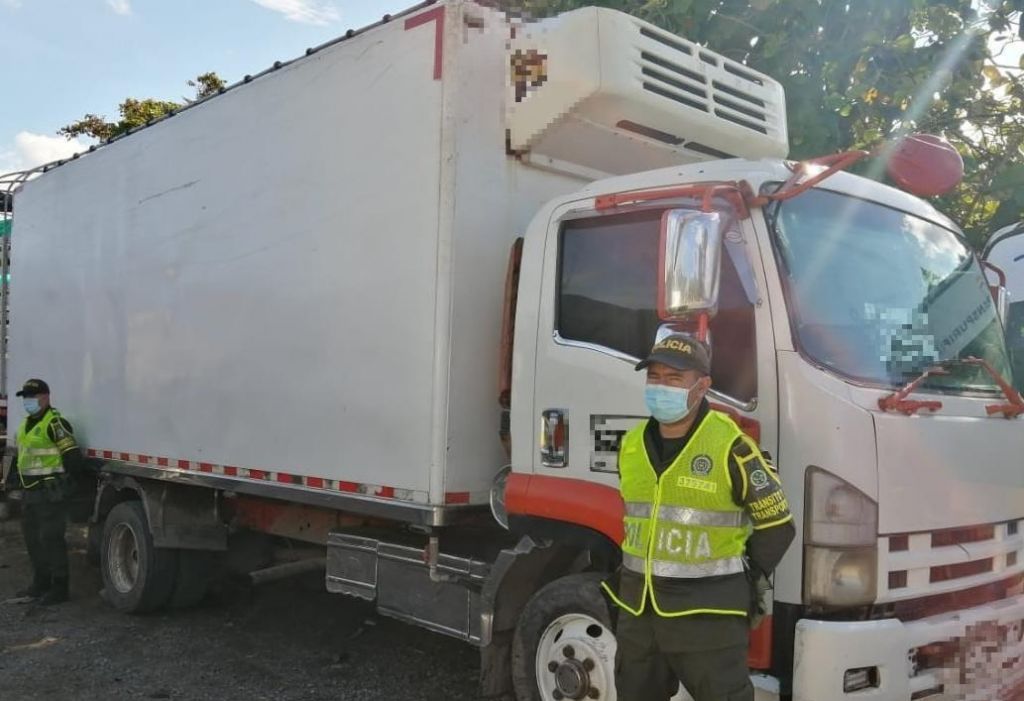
(681, 352)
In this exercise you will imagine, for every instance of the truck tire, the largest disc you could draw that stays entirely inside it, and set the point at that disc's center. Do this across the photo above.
(196, 570)
(93, 544)
(137, 576)
(564, 646)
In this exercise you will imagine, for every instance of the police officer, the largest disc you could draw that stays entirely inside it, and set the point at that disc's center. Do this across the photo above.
(47, 457)
(705, 520)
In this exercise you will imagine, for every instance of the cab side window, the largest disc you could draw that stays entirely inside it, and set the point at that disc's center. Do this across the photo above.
(607, 295)
(607, 283)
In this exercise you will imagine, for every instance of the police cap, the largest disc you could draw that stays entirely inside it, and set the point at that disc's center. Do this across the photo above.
(681, 352)
(33, 388)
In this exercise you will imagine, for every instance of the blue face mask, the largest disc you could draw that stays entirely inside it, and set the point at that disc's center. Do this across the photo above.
(667, 404)
(31, 405)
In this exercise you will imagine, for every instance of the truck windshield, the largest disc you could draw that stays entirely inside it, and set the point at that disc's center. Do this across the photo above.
(878, 295)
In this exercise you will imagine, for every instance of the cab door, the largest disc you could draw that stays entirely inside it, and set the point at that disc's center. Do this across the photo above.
(598, 318)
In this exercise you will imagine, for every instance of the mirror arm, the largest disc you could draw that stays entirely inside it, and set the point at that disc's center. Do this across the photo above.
(738, 194)
(796, 184)
(702, 327)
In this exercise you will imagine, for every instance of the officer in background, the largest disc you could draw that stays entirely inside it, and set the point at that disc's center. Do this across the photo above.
(48, 457)
(705, 520)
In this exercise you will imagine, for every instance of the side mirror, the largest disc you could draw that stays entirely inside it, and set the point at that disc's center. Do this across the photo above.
(690, 257)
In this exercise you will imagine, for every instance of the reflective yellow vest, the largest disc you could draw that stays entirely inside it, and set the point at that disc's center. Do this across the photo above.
(38, 456)
(684, 524)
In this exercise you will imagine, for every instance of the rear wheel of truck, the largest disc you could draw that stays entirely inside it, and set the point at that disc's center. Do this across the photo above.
(564, 647)
(137, 576)
(196, 569)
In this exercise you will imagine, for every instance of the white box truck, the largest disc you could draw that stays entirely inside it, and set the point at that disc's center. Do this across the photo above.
(365, 294)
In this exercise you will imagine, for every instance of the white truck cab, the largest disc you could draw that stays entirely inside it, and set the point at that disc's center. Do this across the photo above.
(828, 304)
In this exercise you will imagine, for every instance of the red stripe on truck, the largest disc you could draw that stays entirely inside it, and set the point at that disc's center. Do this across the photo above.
(433, 15)
(596, 506)
(456, 498)
(280, 477)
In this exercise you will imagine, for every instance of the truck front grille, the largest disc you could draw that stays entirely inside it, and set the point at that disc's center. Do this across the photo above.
(915, 566)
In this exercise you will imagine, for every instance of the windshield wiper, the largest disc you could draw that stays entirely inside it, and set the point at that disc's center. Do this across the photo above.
(898, 400)
(1014, 405)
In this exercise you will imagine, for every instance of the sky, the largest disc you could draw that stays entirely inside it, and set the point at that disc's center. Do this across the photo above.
(61, 59)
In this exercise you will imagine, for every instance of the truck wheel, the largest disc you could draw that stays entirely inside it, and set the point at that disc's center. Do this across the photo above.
(137, 576)
(564, 647)
(93, 543)
(195, 571)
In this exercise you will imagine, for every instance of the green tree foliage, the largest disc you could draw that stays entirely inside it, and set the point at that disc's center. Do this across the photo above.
(207, 84)
(135, 112)
(857, 72)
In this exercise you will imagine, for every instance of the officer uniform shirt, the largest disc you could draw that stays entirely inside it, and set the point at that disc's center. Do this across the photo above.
(63, 436)
(763, 501)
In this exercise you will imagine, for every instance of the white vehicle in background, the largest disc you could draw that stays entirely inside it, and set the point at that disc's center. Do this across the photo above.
(1005, 250)
(283, 311)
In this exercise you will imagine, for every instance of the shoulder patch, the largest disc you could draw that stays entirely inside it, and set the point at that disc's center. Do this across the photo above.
(759, 479)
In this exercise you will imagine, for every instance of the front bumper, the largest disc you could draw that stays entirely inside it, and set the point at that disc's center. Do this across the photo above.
(983, 656)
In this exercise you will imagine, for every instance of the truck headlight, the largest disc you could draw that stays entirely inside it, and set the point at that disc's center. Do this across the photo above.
(839, 577)
(840, 543)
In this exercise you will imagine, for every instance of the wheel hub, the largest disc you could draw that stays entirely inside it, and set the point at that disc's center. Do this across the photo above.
(576, 659)
(572, 679)
(123, 558)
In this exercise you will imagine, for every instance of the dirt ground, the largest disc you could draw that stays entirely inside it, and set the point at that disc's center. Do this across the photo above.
(287, 640)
